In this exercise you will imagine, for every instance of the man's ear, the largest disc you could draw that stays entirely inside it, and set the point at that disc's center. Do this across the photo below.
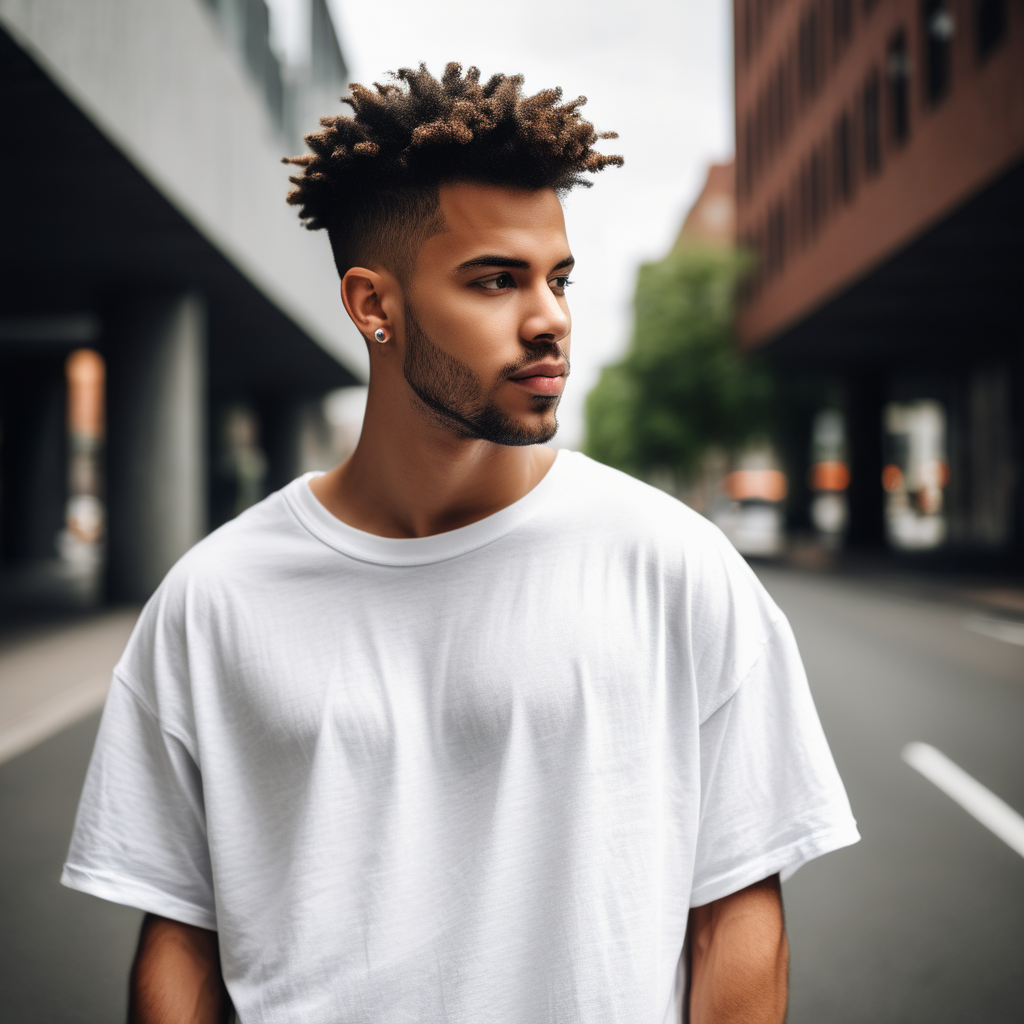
(367, 295)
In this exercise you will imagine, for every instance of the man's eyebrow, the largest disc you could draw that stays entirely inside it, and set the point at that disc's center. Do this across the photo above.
(496, 260)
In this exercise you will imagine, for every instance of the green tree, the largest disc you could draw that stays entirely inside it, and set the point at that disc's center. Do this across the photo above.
(683, 386)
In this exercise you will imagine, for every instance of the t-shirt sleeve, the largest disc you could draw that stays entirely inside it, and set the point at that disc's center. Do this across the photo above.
(771, 797)
(140, 833)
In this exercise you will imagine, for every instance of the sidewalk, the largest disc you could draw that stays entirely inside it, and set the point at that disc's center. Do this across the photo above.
(1001, 593)
(55, 675)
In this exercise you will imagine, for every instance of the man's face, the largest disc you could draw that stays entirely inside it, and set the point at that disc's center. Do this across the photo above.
(486, 320)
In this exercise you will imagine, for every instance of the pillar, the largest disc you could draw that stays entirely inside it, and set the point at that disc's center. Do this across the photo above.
(33, 455)
(865, 398)
(156, 438)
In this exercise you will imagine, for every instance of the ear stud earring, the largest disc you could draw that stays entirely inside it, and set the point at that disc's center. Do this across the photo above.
(380, 335)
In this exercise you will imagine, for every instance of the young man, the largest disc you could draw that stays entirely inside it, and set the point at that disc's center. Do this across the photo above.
(464, 730)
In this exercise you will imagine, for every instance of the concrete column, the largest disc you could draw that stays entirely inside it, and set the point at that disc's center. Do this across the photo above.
(33, 455)
(156, 438)
(865, 398)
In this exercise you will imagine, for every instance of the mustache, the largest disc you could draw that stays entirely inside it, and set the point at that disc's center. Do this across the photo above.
(548, 348)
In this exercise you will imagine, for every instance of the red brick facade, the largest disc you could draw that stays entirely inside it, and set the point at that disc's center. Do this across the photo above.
(860, 124)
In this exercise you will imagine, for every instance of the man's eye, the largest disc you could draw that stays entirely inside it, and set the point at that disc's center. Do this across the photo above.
(561, 283)
(499, 283)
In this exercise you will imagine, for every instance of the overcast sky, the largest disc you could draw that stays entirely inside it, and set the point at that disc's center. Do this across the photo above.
(657, 72)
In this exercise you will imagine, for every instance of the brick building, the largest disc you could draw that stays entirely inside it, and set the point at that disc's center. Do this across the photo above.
(880, 181)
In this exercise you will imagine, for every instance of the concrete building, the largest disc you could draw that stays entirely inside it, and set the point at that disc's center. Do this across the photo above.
(880, 182)
(144, 221)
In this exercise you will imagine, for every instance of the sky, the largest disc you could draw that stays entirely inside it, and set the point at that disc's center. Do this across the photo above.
(659, 72)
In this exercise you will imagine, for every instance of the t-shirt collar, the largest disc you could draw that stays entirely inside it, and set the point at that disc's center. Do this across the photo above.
(369, 547)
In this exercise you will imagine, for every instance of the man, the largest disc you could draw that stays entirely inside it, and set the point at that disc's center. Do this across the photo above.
(464, 730)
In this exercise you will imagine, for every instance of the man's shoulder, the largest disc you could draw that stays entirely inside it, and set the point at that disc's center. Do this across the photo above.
(628, 519)
(238, 565)
(610, 500)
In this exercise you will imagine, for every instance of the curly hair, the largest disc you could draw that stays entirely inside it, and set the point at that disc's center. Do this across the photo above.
(372, 179)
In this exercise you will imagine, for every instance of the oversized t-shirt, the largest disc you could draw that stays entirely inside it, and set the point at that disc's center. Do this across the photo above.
(475, 777)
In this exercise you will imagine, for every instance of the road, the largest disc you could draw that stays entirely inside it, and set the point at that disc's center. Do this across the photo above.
(923, 921)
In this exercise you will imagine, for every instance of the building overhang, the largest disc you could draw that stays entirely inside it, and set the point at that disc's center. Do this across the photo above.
(83, 226)
(951, 293)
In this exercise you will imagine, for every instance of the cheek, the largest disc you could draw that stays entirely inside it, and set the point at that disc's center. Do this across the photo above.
(483, 334)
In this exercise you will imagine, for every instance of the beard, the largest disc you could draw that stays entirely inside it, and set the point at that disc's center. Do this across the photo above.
(458, 398)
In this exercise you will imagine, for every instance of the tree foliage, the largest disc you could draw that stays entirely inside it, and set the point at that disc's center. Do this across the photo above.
(683, 386)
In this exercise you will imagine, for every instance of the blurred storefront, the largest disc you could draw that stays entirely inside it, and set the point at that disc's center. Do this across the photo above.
(880, 182)
(167, 330)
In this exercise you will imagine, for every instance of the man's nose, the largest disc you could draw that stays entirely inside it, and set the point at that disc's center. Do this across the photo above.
(547, 320)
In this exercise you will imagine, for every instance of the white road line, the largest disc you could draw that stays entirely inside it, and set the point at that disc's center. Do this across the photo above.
(998, 629)
(60, 711)
(995, 814)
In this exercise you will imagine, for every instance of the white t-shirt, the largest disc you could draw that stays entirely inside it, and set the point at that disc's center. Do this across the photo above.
(475, 777)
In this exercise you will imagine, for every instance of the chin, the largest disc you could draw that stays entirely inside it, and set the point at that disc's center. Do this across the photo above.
(520, 431)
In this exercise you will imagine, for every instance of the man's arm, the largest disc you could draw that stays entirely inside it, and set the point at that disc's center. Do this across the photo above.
(739, 958)
(176, 976)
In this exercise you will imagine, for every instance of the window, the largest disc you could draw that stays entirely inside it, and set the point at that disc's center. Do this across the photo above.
(759, 137)
(775, 236)
(745, 29)
(871, 124)
(842, 24)
(989, 25)
(748, 155)
(818, 190)
(938, 30)
(842, 158)
(898, 71)
(782, 99)
(806, 228)
(793, 217)
(808, 48)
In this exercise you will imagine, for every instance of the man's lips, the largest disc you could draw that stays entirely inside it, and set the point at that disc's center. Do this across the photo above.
(542, 378)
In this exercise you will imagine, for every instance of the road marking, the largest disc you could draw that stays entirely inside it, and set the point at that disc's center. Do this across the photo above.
(995, 814)
(998, 629)
(60, 711)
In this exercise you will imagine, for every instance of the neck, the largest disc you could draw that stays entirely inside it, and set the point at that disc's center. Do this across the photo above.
(411, 476)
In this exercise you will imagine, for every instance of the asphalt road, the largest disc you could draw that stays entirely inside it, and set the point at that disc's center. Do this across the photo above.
(923, 921)
(64, 956)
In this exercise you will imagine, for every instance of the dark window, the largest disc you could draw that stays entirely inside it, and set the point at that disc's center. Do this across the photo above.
(793, 217)
(778, 237)
(842, 24)
(989, 25)
(748, 155)
(759, 137)
(870, 5)
(780, 106)
(937, 25)
(808, 46)
(897, 68)
(871, 123)
(745, 31)
(817, 197)
(842, 157)
(805, 202)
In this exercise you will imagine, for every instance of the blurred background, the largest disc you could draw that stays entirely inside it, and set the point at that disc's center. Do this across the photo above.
(798, 308)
